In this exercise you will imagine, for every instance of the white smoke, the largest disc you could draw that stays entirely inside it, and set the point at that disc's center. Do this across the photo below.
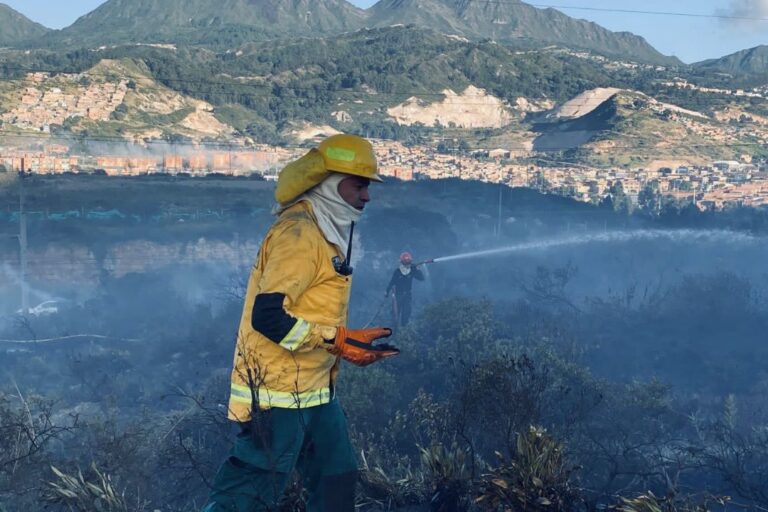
(746, 14)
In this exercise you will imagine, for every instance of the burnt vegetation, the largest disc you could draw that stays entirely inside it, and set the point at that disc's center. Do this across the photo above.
(522, 384)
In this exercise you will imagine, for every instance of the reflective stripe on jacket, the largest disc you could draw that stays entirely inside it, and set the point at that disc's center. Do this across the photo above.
(295, 265)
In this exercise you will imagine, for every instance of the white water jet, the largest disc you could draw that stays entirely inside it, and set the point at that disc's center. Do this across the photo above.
(15, 278)
(681, 235)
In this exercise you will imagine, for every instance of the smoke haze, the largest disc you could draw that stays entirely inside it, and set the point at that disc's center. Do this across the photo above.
(746, 14)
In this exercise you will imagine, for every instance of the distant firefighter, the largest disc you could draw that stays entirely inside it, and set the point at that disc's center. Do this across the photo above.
(402, 283)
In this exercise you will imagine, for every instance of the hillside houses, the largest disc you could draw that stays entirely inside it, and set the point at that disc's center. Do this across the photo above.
(51, 160)
(718, 185)
(40, 107)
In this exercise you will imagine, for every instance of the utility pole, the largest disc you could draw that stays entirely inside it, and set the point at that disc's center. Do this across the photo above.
(498, 223)
(695, 200)
(230, 159)
(23, 244)
(238, 258)
(658, 201)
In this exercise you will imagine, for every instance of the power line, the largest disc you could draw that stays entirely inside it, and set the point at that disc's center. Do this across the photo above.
(234, 94)
(532, 151)
(235, 83)
(369, 98)
(515, 3)
(115, 139)
(66, 338)
(269, 85)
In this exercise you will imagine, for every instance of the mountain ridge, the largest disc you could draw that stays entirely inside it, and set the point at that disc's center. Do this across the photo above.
(514, 21)
(16, 28)
(744, 62)
(230, 23)
(201, 21)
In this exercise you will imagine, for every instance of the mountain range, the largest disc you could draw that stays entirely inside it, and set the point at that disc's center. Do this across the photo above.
(228, 23)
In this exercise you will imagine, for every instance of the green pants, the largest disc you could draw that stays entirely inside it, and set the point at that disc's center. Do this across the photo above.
(314, 440)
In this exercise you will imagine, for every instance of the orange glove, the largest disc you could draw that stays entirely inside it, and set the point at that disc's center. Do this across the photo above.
(356, 346)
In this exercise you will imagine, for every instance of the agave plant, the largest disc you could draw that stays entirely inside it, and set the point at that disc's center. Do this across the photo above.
(81, 495)
(536, 478)
(445, 464)
(398, 487)
(293, 498)
(450, 480)
(643, 503)
(649, 502)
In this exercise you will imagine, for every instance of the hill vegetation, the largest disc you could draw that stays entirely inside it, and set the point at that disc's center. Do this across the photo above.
(266, 88)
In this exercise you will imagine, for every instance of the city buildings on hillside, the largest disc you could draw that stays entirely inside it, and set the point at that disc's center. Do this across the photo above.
(715, 186)
(718, 185)
(52, 160)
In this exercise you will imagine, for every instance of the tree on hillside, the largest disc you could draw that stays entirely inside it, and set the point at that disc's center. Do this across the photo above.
(621, 202)
(649, 198)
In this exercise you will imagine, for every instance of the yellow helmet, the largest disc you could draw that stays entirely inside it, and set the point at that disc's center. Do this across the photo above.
(350, 154)
(347, 154)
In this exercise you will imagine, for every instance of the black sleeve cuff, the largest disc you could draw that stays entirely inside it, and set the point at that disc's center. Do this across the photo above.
(269, 318)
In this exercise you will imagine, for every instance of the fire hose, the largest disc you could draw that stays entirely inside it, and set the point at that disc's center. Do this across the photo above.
(376, 315)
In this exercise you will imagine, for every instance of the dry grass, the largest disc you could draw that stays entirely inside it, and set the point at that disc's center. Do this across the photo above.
(384, 490)
(649, 502)
(79, 494)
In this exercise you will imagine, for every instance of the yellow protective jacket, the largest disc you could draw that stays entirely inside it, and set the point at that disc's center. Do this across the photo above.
(294, 301)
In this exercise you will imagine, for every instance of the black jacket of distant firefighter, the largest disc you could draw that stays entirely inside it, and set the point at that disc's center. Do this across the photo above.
(401, 284)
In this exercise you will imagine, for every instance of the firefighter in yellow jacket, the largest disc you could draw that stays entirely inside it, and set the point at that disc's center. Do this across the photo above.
(292, 337)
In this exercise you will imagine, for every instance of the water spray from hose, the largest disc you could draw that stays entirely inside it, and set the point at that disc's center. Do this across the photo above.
(682, 235)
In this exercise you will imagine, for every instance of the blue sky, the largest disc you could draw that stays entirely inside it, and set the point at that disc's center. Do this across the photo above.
(688, 37)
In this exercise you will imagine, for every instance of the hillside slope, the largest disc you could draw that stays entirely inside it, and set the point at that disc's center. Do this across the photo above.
(749, 61)
(631, 128)
(229, 23)
(221, 23)
(514, 21)
(15, 27)
(111, 99)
